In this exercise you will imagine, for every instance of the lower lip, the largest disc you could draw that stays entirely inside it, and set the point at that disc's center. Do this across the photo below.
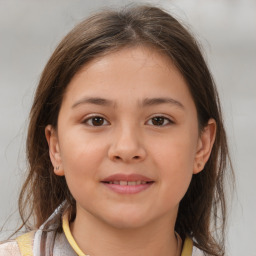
(128, 189)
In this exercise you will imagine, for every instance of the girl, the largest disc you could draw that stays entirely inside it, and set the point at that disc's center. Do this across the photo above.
(126, 145)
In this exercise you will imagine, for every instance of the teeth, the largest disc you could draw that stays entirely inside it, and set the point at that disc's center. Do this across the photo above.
(132, 183)
(127, 183)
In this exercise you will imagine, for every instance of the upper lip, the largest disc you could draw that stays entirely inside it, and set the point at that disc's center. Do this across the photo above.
(126, 177)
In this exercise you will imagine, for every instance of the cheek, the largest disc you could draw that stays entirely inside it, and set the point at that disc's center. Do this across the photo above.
(175, 160)
(81, 158)
(176, 153)
(79, 152)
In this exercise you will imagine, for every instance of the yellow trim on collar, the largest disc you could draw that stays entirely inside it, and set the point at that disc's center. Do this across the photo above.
(71, 240)
(186, 250)
(187, 247)
(25, 243)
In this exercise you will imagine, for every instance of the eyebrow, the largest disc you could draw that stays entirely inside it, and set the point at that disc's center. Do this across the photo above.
(159, 101)
(95, 101)
(146, 102)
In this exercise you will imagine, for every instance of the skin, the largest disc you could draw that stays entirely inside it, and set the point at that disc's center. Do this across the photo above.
(128, 141)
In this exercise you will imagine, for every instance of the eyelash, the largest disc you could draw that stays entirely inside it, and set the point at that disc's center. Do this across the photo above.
(88, 121)
(164, 119)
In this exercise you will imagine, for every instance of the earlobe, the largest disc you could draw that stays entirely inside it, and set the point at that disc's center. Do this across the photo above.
(204, 146)
(54, 149)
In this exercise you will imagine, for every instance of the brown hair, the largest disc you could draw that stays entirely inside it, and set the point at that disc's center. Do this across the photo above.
(101, 34)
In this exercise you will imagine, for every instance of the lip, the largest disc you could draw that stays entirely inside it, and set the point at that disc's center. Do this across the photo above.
(127, 189)
(126, 177)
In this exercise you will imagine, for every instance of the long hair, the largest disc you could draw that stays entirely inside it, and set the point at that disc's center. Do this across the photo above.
(202, 211)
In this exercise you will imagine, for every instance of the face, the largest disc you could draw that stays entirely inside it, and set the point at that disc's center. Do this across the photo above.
(127, 139)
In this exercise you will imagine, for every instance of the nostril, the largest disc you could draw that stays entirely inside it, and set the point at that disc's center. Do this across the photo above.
(118, 157)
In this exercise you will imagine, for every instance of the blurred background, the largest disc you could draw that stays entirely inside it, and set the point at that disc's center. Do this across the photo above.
(226, 29)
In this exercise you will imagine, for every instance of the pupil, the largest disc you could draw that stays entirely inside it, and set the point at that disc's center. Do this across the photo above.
(97, 121)
(158, 120)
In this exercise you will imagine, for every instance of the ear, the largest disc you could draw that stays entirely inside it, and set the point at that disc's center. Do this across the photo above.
(204, 146)
(54, 149)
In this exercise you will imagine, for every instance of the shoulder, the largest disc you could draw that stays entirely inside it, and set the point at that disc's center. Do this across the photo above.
(22, 245)
(197, 252)
(9, 248)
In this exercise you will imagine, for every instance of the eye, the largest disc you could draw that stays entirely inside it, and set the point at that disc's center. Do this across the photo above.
(159, 121)
(96, 121)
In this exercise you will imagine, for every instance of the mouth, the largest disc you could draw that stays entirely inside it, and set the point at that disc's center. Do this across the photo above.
(127, 184)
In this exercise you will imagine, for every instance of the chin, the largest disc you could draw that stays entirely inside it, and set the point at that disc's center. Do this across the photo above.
(126, 220)
(126, 224)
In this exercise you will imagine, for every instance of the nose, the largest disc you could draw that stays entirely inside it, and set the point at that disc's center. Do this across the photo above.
(127, 146)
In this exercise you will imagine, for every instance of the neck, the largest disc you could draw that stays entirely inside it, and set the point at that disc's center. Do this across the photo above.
(96, 237)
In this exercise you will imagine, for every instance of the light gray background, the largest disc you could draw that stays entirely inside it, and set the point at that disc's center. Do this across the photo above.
(29, 32)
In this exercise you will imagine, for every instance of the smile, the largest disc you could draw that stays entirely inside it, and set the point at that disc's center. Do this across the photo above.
(127, 184)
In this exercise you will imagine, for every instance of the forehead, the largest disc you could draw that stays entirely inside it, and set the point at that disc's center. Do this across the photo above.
(144, 56)
(129, 72)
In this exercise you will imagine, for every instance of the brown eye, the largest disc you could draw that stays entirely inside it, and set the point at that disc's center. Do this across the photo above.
(159, 121)
(96, 121)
